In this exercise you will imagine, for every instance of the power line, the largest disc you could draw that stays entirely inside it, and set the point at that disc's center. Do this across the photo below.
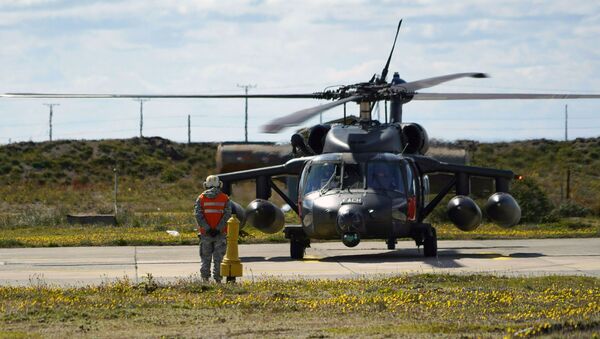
(506, 119)
(471, 129)
(170, 117)
(520, 129)
(81, 122)
(529, 89)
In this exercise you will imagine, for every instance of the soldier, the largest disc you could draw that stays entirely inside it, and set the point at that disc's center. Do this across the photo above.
(212, 210)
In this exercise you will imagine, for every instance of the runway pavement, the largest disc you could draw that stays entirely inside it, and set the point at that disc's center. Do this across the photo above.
(92, 265)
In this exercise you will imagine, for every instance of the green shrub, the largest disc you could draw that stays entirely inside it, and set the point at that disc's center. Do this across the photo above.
(439, 214)
(5, 169)
(150, 166)
(104, 148)
(171, 175)
(41, 164)
(571, 209)
(37, 215)
(67, 164)
(103, 161)
(534, 202)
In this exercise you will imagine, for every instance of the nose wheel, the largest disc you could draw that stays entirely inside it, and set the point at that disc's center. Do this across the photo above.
(391, 243)
(297, 250)
(298, 241)
(298, 247)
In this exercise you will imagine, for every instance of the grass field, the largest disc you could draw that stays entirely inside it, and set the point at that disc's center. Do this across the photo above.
(40, 183)
(413, 306)
(59, 236)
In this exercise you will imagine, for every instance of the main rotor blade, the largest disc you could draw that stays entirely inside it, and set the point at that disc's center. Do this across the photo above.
(387, 64)
(493, 96)
(298, 117)
(157, 96)
(430, 82)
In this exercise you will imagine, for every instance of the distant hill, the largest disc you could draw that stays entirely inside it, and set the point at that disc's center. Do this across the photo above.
(70, 162)
(73, 161)
(547, 161)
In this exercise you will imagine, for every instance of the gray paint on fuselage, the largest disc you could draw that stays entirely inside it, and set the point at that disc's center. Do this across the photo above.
(375, 205)
(354, 138)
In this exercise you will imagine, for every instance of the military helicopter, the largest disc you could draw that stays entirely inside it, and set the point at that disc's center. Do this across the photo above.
(365, 179)
(371, 180)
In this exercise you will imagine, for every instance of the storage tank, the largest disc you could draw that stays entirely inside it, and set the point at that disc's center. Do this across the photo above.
(233, 157)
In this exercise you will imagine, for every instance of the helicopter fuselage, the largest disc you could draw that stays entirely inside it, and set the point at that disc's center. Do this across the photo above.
(370, 181)
(370, 195)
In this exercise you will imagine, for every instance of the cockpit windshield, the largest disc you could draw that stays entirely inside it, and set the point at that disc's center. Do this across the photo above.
(322, 176)
(383, 175)
(377, 175)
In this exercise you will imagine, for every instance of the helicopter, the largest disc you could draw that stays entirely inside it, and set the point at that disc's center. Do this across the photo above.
(371, 180)
(362, 178)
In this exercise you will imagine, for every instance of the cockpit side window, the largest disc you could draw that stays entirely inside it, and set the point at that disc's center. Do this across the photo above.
(320, 176)
(385, 175)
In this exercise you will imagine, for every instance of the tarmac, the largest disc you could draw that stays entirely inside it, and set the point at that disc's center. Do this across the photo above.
(76, 266)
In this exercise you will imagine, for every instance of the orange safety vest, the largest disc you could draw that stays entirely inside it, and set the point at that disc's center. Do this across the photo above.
(213, 209)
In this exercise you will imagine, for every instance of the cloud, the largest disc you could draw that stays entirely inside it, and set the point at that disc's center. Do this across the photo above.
(152, 46)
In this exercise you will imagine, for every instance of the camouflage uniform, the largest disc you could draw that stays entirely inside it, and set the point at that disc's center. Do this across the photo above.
(212, 247)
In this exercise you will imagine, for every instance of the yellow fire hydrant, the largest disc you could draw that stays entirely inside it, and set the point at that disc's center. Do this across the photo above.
(231, 267)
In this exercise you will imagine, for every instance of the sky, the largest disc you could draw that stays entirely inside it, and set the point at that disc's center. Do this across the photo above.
(283, 46)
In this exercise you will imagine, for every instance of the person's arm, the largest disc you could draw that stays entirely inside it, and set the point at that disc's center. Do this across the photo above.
(200, 216)
(226, 215)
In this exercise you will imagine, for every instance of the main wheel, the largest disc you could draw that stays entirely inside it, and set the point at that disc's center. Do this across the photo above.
(297, 249)
(391, 243)
(430, 243)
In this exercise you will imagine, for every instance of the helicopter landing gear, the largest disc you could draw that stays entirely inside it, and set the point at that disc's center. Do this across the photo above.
(391, 243)
(297, 250)
(298, 247)
(426, 236)
(298, 241)
(430, 242)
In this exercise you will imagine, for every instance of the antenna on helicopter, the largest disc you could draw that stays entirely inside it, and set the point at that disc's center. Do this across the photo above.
(396, 104)
(384, 72)
(381, 80)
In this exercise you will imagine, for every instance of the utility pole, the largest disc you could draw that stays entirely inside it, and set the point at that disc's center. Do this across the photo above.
(189, 129)
(568, 183)
(246, 87)
(50, 119)
(116, 182)
(566, 122)
(568, 188)
(141, 100)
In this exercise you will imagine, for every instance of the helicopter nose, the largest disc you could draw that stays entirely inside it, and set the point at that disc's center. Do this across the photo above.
(350, 219)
